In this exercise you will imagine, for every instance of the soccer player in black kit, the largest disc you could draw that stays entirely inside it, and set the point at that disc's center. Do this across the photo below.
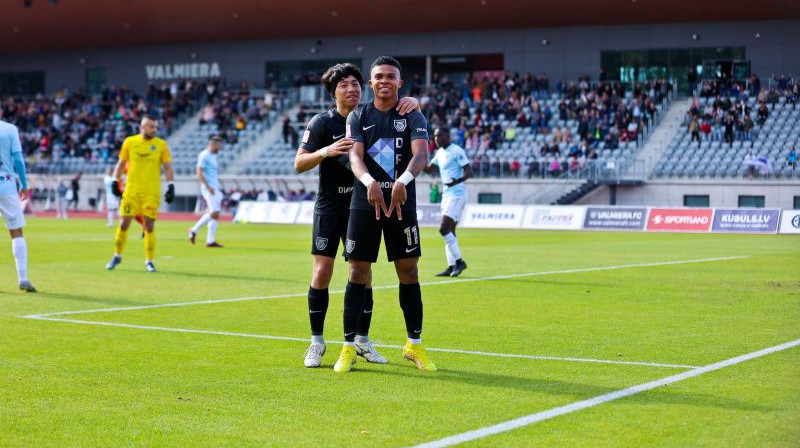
(324, 144)
(389, 151)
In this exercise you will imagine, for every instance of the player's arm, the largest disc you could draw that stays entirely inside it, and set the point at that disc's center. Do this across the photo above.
(166, 160)
(19, 164)
(467, 174)
(119, 168)
(431, 167)
(418, 162)
(465, 165)
(359, 167)
(408, 104)
(309, 154)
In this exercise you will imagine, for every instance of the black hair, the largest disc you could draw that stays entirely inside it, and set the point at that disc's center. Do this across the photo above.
(386, 60)
(443, 128)
(214, 138)
(337, 73)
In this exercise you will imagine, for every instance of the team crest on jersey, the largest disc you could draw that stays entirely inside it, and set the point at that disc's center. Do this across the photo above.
(349, 245)
(322, 243)
(400, 125)
(152, 147)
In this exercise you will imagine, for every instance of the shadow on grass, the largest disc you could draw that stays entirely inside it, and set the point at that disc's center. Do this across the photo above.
(664, 395)
(208, 275)
(82, 298)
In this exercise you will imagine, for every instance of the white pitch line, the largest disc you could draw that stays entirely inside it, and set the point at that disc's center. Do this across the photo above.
(441, 282)
(305, 340)
(598, 400)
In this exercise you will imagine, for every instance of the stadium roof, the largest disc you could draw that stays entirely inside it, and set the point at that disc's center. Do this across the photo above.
(46, 25)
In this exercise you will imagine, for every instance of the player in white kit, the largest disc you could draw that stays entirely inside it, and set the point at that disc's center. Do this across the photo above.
(208, 175)
(12, 167)
(112, 201)
(454, 167)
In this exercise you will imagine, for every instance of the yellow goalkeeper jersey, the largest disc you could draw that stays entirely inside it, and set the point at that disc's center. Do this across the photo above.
(144, 159)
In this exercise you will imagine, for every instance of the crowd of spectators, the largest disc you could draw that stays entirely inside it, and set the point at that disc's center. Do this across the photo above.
(562, 130)
(232, 109)
(71, 123)
(738, 108)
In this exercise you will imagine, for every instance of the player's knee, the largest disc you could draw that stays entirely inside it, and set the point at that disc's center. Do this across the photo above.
(321, 277)
(359, 273)
(407, 273)
(443, 230)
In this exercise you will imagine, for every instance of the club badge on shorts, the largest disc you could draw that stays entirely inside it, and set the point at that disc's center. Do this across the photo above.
(321, 243)
(400, 125)
(349, 245)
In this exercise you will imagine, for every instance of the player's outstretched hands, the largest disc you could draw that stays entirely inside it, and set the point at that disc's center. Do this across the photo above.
(340, 147)
(115, 189)
(375, 198)
(399, 196)
(407, 104)
(169, 196)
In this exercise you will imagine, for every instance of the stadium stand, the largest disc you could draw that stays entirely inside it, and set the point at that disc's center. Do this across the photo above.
(516, 127)
(72, 132)
(731, 134)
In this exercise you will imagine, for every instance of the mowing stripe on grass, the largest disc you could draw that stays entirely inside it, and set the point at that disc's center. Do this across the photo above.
(305, 340)
(441, 282)
(600, 399)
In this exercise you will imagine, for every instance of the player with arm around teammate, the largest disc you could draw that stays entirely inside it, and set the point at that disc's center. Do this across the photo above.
(324, 144)
(454, 168)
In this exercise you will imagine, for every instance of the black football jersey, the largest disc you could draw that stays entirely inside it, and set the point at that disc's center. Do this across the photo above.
(387, 137)
(335, 177)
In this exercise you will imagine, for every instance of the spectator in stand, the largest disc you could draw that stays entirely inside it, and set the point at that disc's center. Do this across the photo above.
(763, 113)
(750, 163)
(691, 78)
(287, 130)
(729, 125)
(791, 158)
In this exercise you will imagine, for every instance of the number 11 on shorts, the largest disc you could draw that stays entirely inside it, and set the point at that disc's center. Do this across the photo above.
(412, 232)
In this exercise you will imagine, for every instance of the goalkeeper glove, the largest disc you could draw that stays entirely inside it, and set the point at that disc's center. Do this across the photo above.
(169, 196)
(115, 189)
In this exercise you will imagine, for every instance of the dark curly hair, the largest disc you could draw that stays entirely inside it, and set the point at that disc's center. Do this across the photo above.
(337, 73)
(386, 60)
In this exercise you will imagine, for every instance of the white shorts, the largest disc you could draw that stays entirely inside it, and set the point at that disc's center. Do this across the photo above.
(11, 209)
(112, 202)
(453, 206)
(213, 201)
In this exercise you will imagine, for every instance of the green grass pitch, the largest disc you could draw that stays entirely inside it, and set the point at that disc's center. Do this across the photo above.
(148, 384)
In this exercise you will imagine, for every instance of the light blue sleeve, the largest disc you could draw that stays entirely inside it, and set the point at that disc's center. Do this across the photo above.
(201, 161)
(19, 168)
(16, 145)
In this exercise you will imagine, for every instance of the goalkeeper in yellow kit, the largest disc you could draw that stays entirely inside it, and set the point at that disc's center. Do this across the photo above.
(143, 154)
